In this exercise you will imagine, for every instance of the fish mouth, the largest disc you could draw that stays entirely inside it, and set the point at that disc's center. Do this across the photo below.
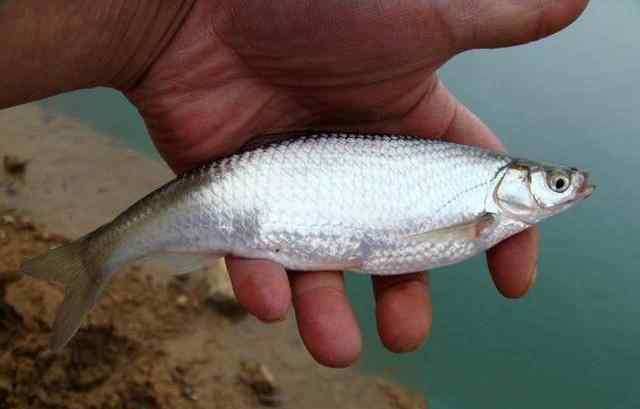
(586, 189)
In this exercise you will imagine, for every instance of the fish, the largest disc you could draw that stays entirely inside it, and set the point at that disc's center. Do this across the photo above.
(375, 203)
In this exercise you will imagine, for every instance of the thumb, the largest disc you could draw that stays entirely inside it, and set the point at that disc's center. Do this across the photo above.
(492, 24)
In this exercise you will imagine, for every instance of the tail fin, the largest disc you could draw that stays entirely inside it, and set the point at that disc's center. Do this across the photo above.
(83, 285)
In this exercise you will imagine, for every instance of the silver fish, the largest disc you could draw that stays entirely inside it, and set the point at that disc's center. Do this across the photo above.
(382, 204)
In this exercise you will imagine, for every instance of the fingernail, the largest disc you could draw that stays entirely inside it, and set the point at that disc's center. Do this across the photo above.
(534, 276)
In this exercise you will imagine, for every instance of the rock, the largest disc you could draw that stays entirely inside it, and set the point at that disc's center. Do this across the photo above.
(274, 399)
(50, 237)
(59, 238)
(188, 392)
(11, 323)
(261, 380)
(14, 165)
(7, 277)
(182, 301)
(257, 376)
(8, 219)
(25, 223)
(42, 236)
(3, 237)
(179, 375)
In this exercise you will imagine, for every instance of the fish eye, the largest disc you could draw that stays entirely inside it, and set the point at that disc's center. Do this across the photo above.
(559, 182)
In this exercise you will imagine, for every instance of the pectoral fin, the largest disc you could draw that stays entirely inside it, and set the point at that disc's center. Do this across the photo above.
(464, 231)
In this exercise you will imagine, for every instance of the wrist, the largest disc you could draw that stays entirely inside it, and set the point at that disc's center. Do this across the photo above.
(62, 45)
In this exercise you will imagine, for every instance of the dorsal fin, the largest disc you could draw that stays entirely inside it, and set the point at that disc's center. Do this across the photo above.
(275, 137)
(278, 136)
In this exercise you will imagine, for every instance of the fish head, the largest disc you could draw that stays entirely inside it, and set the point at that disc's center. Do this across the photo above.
(531, 191)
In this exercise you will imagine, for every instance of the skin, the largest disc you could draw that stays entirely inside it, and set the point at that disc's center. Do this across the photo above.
(207, 75)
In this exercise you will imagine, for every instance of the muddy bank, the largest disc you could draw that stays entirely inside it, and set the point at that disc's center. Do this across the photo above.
(151, 342)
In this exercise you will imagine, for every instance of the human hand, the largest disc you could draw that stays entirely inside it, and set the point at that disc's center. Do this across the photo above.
(235, 69)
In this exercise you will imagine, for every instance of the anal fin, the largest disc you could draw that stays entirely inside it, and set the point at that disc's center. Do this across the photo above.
(178, 262)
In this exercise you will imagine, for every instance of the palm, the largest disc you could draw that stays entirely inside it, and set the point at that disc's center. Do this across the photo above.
(236, 69)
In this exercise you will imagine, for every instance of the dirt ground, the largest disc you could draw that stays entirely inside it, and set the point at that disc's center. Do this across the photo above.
(152, 341)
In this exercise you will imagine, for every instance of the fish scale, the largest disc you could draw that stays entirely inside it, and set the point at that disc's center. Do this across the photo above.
(378, 190)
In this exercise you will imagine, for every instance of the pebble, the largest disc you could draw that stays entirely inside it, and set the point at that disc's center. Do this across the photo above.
(182, 300)
(50, 237)
(42, 236)
(25, 222)
(260, 378)
(8, 219)
(14, 165)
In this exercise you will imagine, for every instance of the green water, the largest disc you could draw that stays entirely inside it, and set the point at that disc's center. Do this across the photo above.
(573, 342)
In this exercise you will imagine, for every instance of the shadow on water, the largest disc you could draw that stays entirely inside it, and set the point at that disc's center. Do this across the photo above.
(573, 342)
